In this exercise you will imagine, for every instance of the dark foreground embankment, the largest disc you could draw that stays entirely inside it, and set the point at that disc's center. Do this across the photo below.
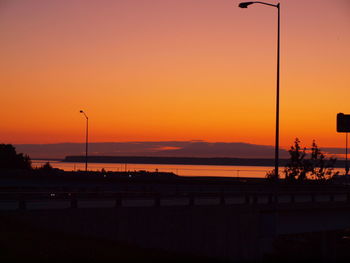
(211, 224)
(159, 234)
(167, 183)
(22, 242)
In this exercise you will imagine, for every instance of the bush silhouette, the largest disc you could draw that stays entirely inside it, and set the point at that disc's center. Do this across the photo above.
(46, 167)
(317, 166)
(10, 159)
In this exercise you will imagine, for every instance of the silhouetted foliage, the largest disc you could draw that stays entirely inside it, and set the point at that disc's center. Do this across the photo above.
(46, 167)
(298, 166)
(9, 159)
(317, 166)
(271, 175)
(322, 168)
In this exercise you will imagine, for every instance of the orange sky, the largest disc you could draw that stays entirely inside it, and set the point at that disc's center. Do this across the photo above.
(172, 70)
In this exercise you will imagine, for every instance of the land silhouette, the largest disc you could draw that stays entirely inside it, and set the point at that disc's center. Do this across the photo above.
(297, 166)
(19, 238)
(155, 148)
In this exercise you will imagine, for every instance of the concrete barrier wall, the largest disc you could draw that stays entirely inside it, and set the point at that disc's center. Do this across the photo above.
(243, 230)
(208, 231)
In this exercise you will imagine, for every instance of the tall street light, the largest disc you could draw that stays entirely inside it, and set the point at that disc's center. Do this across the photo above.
(86, 145)
(245, 5)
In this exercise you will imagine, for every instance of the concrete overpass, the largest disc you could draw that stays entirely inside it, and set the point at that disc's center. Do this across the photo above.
(240, 225)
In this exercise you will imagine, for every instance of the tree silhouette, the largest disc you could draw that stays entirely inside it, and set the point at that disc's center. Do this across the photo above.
(298, 166)
(316, 167)
(9, 159)
(322, 168)
(46, 167)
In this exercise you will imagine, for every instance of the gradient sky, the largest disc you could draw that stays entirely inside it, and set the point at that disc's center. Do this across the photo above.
(172, 70)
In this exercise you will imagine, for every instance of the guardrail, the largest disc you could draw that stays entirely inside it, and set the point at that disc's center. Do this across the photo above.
(72, 200)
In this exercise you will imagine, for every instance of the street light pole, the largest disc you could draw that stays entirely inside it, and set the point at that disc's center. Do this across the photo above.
(277, 95)
(346, 156)
(86, 143)
(245, 5)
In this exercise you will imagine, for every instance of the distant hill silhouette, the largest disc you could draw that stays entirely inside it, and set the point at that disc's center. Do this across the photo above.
(155, 148)
(185, 160)
(174, 160)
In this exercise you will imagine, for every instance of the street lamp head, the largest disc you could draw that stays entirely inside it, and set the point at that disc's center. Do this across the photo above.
(245, 4)
(81, 111)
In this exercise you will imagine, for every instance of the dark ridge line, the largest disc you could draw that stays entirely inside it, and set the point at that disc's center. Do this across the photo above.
(185, 160)
(175, 160)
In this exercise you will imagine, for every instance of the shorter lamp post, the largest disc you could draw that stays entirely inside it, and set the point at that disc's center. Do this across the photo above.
(86, 144)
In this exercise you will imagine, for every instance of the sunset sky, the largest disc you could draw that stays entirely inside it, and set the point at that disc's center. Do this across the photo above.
(182, 70)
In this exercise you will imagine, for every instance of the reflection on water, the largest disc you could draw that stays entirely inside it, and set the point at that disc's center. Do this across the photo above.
(181, 170)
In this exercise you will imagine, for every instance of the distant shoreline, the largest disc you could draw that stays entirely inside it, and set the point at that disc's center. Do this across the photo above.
(174, 160)
(183, 160)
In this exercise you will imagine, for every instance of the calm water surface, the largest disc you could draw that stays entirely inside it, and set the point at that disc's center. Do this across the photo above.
(181, 170)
